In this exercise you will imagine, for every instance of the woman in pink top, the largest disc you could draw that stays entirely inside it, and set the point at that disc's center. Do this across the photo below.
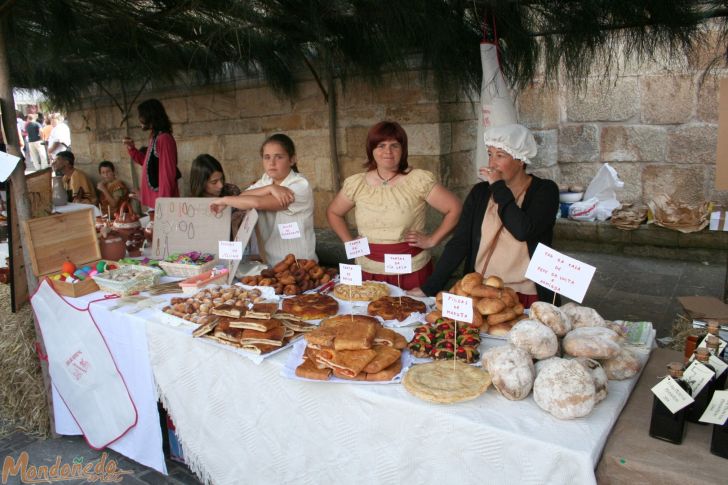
(159, 160)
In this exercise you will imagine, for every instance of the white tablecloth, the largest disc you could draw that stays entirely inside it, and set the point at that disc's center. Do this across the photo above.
(73, 206)
(239, 422)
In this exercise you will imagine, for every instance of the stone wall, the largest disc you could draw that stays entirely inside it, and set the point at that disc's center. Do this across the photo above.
(656, 123)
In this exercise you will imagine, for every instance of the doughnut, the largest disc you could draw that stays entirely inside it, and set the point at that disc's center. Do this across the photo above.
(267, 273)
(280, 267)
(289, 259)
(290, 289)
(325, 278)
(316, 272)
(299, 274)
(287, 280)
(309, 264)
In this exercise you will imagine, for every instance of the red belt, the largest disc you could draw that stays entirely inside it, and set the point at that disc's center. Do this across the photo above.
(379, 250)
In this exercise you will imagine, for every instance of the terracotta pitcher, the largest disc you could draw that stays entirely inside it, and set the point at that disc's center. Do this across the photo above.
(126, 222)
(111, 244)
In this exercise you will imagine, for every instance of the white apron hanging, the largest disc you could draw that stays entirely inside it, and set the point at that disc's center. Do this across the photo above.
(496, 103)
(82, 369)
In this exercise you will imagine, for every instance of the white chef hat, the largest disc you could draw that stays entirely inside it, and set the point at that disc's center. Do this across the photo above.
(516, 140)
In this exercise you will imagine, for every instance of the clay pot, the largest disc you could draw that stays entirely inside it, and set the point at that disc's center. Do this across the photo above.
(126, 222)
(113, 247)
(134, 243)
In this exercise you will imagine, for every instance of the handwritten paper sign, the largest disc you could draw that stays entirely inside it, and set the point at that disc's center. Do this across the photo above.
(350, 274)
(457, 307)
(560, 273)
(717, 410)
(398, 263)
(187, 224)
(672, 395)
(289, 230)
(697, 375)
(357, 247)
(230, 250)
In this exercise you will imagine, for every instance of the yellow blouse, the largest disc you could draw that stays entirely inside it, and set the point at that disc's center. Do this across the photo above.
(384, 214)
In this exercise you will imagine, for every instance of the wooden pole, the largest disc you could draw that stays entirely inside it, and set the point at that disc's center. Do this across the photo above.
(21, 199)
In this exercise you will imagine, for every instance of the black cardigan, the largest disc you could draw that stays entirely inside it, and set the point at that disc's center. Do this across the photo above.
(533, 223)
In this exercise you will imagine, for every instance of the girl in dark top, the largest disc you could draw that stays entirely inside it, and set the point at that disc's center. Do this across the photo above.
(207, 179)
(503, 219)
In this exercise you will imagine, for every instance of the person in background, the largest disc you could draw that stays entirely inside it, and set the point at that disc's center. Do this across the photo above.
(390, 201)
(35, 142)
(159, 160)
(77, 184)
(503, 219)
(60, 138)
(281, 196)
(207, 179)
(112, 191)
(45, 133)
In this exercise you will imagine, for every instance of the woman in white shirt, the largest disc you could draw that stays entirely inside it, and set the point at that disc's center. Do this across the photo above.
(281, 196)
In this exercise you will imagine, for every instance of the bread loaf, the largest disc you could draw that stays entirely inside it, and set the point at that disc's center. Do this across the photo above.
(551, 316)
(583, 316)
(564, 389)
(592, 342)
(511, 369)
(598, 375)
(470, 281)
(535, 338)
(622, 366)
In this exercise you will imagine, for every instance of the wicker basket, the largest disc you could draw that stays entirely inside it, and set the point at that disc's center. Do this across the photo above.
(146, 278)
(186, 270)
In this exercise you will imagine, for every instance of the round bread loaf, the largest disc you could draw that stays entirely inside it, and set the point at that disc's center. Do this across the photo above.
(494, 281)
(499, 330)
(535, 338)
(565, 389)
(551, 316)
(511, 370)
(622, 366)
(592, 342)
(598, 375)
(490, 306)
(470, 281)
(583, 316)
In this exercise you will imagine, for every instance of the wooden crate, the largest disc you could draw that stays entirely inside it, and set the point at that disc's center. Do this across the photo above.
(56, 239)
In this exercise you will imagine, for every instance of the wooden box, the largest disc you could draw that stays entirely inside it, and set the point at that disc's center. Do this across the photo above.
(56, 239)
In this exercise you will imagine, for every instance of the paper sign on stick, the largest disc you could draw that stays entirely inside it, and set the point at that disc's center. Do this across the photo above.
(672, 395)
(245, 232)
(560, 273)
(7, 165)
(717, 410)
(457, 307)
(230, 250)
(289, 230)
(357, 247)
(398, 263)
(350, 274)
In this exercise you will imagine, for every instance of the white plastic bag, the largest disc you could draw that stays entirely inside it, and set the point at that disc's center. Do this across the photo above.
(586, 210)
(604, 188)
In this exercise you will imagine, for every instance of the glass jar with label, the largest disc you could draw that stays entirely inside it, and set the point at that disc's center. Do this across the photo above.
(664, 424)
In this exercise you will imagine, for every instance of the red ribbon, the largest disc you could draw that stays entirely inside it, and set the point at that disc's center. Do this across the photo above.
(39, 352)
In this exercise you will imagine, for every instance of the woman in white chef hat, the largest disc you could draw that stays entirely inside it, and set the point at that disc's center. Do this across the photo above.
(503, 219)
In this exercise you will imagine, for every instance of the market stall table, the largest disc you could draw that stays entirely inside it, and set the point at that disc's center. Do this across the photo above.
(632, 456)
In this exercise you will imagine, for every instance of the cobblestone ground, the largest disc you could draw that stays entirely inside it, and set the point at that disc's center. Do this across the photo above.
(625, 288)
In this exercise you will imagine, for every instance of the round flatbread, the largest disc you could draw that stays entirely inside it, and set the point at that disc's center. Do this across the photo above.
(446, 381)
(310, 306)
(368, 291)
(395, 307)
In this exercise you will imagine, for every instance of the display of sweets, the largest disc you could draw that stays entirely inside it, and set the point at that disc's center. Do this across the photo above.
(665, 425)
(72, 274)
(440, 340)
(191, 257)
(141, 262)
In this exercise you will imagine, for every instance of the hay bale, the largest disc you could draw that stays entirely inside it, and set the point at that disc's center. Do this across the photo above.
(682, 328)
(23, 404)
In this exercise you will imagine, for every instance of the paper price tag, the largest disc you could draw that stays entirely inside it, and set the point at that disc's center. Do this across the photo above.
(289, 230)
(560, 273)
(721, 344)
(697, 375)
(230, 250)
(672, 395)
(717, 410)
(457, 307)
(398, 263)
(718, 365)
(357, 247)
(350, 274)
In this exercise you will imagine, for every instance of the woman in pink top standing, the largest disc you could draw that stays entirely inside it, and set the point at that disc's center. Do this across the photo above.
(159, 160)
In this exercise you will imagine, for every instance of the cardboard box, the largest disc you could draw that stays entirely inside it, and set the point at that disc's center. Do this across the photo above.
(56, 239)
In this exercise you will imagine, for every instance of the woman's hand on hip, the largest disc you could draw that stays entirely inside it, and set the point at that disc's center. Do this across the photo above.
(419, 240)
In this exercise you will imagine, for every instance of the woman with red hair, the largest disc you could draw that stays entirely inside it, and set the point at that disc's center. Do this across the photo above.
(390, 201)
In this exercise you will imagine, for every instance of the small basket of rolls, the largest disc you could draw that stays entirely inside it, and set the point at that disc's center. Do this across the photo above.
(292, 276)
(495, 306)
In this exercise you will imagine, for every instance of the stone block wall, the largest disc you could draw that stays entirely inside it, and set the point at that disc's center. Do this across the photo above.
(656, 123)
